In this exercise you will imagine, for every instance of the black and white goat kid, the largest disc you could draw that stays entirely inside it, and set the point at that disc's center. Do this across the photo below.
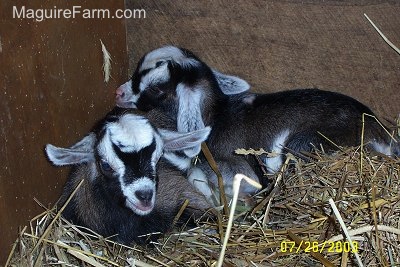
(123, 192)
(176, 83)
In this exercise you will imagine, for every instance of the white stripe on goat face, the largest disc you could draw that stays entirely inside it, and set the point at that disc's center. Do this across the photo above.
(130, 134)
(155, 76)
(166, 53)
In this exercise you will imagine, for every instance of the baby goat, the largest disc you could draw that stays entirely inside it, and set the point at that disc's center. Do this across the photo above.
(117, 162)
(178, 84)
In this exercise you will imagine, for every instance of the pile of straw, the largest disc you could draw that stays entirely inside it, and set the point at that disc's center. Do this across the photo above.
(364, 189)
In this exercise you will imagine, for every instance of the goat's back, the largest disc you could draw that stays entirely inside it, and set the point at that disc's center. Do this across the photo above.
(304, 115)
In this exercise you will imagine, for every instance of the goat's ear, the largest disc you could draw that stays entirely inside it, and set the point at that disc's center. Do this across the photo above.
(81, 152)
(229, 84)
(189, 143)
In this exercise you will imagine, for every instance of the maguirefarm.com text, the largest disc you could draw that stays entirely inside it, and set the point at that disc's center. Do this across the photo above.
(41, 14)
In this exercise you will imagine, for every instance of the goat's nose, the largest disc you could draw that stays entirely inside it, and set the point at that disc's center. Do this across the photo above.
(144, 196)
(119, 92)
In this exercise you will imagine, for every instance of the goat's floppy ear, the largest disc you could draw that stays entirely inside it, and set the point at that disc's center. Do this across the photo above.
(229, 84)
(189, 143)
(81, 152)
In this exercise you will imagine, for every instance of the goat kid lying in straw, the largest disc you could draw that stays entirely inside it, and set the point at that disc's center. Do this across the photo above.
(182, 93)
(128, 189)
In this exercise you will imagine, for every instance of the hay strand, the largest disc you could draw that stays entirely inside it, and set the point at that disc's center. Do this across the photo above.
(106, 62)
(180, 212)
(366, 229)
(236, 185)
(346, 232)
(85, 258)
(382, 35)
(210, 159)
(278, 179)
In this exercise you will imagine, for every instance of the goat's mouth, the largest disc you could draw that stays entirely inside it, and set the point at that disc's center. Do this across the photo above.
(139, 207)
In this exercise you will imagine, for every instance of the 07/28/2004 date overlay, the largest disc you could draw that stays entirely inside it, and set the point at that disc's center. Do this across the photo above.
(315, 246)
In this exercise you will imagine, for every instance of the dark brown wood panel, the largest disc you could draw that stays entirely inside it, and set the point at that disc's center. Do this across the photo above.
(283, 44)
(52, 91)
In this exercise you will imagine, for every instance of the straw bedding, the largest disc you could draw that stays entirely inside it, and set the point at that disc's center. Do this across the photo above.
(277, 231)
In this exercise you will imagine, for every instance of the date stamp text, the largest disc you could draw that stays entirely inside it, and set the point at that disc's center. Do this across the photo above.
(315, 246)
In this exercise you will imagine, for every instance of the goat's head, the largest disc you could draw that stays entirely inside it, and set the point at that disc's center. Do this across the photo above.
(121, 154)
(175, 77)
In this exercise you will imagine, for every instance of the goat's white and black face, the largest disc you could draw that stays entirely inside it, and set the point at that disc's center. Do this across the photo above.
(122, 156)
(154, 77)
(176, 78)
(128, 151)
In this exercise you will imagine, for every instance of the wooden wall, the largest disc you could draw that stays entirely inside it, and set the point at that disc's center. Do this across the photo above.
(284, 44)
(52, 91)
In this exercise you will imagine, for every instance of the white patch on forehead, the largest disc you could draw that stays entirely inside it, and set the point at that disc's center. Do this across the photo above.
(131, 133)
(274, 163)
(166, 53)
(155, 76)
(160, 54)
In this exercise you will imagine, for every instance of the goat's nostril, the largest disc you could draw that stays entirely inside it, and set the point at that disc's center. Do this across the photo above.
(119, 93)
(144, 196)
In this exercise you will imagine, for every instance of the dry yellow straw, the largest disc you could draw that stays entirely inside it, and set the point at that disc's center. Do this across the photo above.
(49, 227)
(362, 137)
(14, 246)
(180, 212)
(211, 161)
(344, 228)
(106, 62)
(85, 258)
(366, 229)
(236, 186)
(382, 35)
(278, 179)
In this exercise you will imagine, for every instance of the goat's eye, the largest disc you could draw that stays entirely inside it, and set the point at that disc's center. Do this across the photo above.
(159, 63)
(105, 167)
